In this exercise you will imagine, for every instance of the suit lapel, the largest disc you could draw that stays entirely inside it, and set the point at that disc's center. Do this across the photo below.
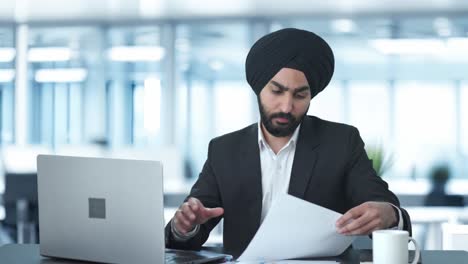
(252, 178)
(304, 158)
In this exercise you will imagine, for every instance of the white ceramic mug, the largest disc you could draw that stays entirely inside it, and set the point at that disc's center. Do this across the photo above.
(391, 247)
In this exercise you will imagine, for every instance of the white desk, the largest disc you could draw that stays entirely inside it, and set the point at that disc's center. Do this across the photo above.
(432, 219)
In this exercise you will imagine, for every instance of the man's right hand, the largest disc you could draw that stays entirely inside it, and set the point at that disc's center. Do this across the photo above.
(192, 213)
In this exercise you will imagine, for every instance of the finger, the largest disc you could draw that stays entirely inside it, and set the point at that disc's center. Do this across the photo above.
(183, 220)
(368, 228)
(187, 211)
(208, 213)
(353, 213)
(181, 224)
(356, 224)
(195, 204)
(215, 212)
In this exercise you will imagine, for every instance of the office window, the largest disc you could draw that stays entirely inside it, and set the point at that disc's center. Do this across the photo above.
(61, 69)
(351, 42)
(425, 125)
(181, 113)
(330, 103)
(75, 120)
(201, 123)
(138, 89)
(235, 103)
(57, 113)
(464, 119)
(214, 96)
(61, 115)
(136, 85)
(146, 112)
(6, 112)
(369, 111)
(7, 79)
(416, 121)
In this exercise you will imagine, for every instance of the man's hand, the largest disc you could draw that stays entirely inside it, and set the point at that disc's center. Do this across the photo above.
(192, 213)
(365, 218)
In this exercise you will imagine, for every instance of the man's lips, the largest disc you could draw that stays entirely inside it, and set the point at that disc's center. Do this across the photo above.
(281, 120)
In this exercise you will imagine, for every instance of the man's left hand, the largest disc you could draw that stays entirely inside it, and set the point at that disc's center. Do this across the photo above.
(367, 217)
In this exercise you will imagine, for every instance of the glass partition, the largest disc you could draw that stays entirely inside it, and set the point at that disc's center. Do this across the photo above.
(136, 85)
(213, 96)
(396, 80)
(7, 80)
(61, 69)
(400, 80)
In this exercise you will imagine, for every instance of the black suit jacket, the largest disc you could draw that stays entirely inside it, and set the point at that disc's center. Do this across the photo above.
(330, 168)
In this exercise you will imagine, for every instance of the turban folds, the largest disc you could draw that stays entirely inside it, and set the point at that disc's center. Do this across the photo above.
(290, 48)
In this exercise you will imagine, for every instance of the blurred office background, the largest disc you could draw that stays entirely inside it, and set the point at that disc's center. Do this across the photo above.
(157, 79)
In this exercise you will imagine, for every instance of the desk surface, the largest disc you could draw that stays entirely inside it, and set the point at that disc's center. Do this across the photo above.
(29, 254)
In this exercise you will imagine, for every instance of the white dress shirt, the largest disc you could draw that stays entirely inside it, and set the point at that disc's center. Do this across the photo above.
(276, 168)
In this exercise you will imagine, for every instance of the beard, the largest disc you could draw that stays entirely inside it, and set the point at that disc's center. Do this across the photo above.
(279, 130)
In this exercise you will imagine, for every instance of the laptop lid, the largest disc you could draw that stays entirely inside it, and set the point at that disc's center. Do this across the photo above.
(100, 209)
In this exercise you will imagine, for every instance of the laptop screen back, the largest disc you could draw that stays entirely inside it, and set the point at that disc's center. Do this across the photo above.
(98, 209)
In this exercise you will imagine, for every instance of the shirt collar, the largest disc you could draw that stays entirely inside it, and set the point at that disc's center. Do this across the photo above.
(262, 142)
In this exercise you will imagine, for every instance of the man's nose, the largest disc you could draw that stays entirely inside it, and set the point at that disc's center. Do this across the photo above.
(287, 104)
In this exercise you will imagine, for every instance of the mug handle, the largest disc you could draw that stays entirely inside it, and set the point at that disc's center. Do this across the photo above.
(416, 251)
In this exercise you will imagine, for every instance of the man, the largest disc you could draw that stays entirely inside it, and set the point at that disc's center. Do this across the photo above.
(287, 151)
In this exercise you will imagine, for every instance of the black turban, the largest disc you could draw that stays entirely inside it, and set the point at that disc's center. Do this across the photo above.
(290, 48)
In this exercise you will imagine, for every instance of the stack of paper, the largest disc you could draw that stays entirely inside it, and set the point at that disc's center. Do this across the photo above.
(294, 228)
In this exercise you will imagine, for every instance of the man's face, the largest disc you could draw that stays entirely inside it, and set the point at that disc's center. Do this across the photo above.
(284, 101)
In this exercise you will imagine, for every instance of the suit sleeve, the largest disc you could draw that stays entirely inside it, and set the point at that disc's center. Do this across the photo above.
(205, 189)
(363, 184)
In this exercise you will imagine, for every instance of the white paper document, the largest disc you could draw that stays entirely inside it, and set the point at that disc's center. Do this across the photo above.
(289, 262)
(294, 228)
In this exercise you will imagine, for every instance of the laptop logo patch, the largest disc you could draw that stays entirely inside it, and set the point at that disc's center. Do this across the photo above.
(97, 208)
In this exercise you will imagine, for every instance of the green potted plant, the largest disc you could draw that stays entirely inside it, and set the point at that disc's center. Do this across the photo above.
(381, 161)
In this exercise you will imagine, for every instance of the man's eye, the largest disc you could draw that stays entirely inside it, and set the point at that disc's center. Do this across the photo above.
(300, 96)
(276, 91)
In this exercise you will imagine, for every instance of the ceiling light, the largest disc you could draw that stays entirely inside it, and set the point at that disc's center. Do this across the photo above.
(216, 65)
(49, 54)
(60, 75)
(136, 53)
(343, 25)
(408, 46)
(7, 54)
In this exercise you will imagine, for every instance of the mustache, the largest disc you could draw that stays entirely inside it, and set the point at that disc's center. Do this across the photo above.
(288, 116)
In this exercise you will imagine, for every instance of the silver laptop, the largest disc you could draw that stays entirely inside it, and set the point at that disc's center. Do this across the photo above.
(104, 210)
